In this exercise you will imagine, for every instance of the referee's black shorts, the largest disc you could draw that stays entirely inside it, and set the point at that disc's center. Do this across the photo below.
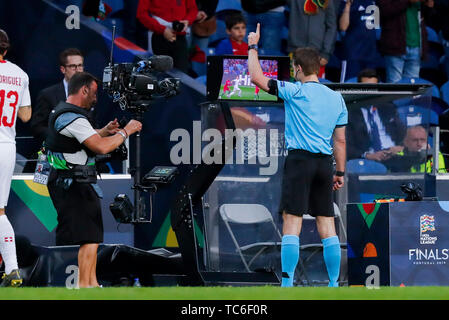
(79, 214)
(307, 184)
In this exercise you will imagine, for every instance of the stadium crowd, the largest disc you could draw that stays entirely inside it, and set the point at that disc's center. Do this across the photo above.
(401, 39)
(366, 41)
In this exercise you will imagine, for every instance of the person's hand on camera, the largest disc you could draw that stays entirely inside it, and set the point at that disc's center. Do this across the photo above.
(170, 34)
(132, 127)
(253, 37)
(112, 127)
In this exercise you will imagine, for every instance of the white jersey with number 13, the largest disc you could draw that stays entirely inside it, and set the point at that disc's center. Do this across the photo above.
(14, 93)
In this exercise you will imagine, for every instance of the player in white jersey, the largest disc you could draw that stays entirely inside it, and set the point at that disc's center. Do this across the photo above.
(14, 102)
(236, 87)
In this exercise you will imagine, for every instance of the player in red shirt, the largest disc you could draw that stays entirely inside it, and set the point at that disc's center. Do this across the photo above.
(256, 93)
(226, 88)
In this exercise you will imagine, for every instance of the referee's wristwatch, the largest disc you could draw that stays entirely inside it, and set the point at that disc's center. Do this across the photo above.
(340, 173)
(253, 46)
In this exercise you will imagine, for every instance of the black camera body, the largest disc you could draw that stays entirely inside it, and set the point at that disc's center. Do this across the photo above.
(177, 26)
(413, 191)
(122, 209)
(134, 85)
(120, 154)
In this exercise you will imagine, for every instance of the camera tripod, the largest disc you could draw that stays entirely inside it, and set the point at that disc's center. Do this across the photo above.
(139, 215)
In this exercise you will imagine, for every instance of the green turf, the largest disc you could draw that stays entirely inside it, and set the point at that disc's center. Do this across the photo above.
(247, 94)
(227, 293)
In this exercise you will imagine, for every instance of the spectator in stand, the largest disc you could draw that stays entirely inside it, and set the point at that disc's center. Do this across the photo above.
(312, 25)
(359, 40)
(373, 132)
(204, 26)
(205, 23)
(403, 39)
(272, 18)
(416, 155)
(162, 17)
(71, 61)
(236, 28)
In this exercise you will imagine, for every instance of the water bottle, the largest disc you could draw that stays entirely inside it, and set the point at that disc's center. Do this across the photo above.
(137, 283)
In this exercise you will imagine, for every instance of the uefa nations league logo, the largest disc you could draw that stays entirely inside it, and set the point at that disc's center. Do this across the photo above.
(427, 226)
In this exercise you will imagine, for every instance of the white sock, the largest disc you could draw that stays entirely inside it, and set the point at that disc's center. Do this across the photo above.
(8, 245)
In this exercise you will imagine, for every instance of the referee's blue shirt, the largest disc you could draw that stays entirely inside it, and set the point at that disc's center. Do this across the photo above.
(312, 111)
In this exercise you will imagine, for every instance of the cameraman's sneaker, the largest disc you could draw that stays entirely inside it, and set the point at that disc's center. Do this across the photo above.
(11, 280)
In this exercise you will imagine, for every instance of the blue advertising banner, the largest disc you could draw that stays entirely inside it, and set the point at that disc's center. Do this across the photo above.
(398, 243)
(419, 243)
(33, 215)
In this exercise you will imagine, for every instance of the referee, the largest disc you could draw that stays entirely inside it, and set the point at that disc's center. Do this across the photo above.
(314, 115)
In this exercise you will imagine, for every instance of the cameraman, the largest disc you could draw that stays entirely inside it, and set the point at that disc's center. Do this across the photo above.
(168, 20)
(71, 145)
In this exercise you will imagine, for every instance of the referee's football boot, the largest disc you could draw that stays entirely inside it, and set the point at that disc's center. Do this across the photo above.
(12, 280)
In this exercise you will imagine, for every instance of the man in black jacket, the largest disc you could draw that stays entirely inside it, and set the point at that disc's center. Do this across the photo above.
(71, 61)
(374, 132)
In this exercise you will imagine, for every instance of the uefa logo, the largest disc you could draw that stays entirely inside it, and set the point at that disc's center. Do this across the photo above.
(427, 227)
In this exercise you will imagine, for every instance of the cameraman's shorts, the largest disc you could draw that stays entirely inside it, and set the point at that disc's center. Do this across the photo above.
(307, 184)
(79, 214)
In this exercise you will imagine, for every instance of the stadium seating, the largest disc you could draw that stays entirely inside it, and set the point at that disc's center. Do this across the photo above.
(432, 35)
(430, 67)
(202, 79)
(352, 80)
(414, 115)
(435, 91)
(445, 92)
(220, 34)
(359, 166)
(323, 80)
(228, 5)
(378, 33)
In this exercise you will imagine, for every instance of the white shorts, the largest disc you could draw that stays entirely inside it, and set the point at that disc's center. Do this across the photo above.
(7, 164)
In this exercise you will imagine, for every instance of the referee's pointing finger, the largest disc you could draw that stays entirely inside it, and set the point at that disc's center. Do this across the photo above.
(258, 29)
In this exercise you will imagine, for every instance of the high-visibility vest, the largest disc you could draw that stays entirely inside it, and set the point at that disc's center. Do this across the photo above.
(428, 165)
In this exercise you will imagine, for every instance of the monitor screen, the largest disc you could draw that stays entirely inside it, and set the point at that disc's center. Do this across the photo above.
(236, 81)
(228, 77)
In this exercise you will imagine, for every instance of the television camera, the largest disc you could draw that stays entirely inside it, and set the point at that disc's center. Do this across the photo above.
(134, 86)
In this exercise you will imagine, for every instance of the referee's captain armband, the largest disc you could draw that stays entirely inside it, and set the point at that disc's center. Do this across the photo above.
(273, 87)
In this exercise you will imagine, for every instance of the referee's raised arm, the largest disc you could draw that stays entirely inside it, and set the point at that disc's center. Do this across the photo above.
(255, 71)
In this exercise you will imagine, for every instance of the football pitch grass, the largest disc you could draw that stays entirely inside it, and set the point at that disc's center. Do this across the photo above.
(247, 94)
(227, 293)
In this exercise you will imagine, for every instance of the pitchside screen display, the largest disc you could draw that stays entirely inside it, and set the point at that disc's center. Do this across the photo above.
(228, 77)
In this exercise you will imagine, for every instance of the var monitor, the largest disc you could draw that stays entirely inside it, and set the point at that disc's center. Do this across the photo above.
(228, 77)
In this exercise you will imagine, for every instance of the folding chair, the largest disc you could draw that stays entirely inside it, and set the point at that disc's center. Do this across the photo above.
(253, 214)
